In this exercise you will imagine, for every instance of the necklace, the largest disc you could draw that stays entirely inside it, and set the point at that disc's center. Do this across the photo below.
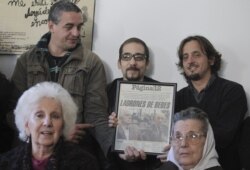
(55, 64)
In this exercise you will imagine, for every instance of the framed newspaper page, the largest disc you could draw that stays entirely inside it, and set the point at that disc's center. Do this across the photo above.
(144, 112)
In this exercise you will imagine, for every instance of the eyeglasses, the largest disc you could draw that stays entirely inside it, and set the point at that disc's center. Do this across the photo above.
(191, 137)
(129, 56)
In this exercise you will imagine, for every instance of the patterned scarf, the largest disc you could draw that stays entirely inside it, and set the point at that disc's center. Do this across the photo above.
(53, 160)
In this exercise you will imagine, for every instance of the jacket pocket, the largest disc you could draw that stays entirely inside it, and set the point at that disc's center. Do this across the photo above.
(74, 82)
(36, 74)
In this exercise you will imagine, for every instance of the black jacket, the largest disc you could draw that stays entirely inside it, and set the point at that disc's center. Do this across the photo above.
(244, 147)
(226, 105)
(68, 156)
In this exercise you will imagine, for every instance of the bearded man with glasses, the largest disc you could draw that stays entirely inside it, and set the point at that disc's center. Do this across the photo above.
(133, 62)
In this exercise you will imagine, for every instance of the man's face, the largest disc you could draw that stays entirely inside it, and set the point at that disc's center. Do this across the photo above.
(196, 64)
(133, 70)
(159, 118)
(66, 34)
(127, 118)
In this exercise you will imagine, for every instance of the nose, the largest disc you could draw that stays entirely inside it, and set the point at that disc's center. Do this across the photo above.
(190, 59)
(47, 121)
(184, 142)
(132, 61)
(75, 31)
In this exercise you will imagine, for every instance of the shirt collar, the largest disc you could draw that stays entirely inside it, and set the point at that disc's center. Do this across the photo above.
(210, 82)
(199, 95)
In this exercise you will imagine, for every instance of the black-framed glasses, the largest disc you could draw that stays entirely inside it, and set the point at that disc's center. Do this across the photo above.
(190, 137)
(136, 56)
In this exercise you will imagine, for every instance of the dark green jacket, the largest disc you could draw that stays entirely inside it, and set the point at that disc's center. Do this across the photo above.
(82, 74)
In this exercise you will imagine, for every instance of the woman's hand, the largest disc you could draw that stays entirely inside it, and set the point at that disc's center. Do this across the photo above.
(131, 154)
(113, 121)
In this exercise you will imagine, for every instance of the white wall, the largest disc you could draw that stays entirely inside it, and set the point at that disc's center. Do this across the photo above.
(162, 24)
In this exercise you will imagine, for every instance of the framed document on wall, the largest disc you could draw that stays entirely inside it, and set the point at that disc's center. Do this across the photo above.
(23, 22)
(144, 111)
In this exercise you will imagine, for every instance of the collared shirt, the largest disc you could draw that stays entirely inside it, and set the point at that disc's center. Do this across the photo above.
(199, 95)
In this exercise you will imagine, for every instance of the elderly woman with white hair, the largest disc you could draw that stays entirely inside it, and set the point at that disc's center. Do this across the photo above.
(44, 116)
(192, 143)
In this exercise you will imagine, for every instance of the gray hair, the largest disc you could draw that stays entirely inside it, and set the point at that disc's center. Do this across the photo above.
(33, 95)
(193, 113)
(63, 6)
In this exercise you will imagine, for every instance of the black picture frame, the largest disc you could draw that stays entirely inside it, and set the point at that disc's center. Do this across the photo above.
(144, 111)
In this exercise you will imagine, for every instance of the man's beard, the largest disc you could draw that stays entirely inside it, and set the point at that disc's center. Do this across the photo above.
(137, 78)
(133, 78)
(193, 77)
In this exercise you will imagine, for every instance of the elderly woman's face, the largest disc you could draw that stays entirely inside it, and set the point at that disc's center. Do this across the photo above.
(188, 142)
(45, 124)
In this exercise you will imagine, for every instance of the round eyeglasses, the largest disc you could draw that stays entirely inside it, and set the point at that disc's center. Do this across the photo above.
(190, 137)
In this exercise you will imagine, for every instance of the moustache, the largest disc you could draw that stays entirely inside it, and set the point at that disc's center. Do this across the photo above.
(192, 65)
(78, 38)
(132, 69)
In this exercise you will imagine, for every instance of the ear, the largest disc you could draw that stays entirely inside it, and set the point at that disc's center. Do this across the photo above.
(51, 26)
(147, 65)
(211, 61)
(27, 129)
(119, 64)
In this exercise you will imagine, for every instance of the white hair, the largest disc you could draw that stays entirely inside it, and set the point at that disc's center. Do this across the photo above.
(33, 95)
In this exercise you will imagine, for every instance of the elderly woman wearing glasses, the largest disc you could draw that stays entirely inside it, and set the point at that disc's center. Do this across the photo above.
(192, 143)
(44, 115)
